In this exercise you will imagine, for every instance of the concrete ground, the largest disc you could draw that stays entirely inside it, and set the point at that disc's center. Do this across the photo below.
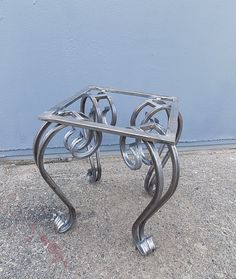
(195, 232)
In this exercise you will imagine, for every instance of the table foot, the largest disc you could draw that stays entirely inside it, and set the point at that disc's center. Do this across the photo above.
(62, 224)
(146, 246)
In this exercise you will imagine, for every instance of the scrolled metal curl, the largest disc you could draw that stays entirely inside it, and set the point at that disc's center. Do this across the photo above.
(96, 113)
(88, 149)
(151, 124)
(135, 149)
(81, 146)
(153, 103)
(147, 124)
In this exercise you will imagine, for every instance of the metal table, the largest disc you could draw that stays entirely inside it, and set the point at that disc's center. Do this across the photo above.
(153, 143)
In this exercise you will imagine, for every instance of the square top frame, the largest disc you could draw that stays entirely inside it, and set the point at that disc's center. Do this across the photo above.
(53, 115)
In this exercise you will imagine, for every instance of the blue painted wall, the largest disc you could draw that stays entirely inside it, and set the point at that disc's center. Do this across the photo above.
(185, 48)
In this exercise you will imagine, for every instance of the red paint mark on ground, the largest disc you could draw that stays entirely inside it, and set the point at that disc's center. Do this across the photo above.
(29, 238)
(54, 249)
(44, 239)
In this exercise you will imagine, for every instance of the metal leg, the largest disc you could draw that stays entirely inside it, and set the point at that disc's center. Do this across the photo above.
(145, 244)
(150, 181)
(95, 172)
(62, 223)
(37, 140)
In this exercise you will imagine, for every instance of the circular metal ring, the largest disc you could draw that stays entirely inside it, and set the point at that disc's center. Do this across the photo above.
(101, 116)
(145, 160)
(159, 128)
(67, 137)
(112, 107)
(148, 103)
(95, 106)
(81, 141)
(89, 148)
(135, 148)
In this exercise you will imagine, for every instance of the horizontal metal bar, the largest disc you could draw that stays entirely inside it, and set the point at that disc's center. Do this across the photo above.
(75, 97)
(120, 131)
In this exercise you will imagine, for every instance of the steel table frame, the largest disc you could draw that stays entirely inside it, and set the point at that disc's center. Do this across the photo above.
(85, 137)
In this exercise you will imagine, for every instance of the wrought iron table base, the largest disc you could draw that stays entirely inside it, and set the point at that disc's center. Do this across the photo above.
(85, 136)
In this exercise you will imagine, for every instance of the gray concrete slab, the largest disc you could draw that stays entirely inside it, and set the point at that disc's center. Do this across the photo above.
(195, 232)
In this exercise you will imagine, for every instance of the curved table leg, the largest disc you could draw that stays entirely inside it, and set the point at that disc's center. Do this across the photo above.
(37, 140)
(145, 244)
(62, 223)
(150, 180)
